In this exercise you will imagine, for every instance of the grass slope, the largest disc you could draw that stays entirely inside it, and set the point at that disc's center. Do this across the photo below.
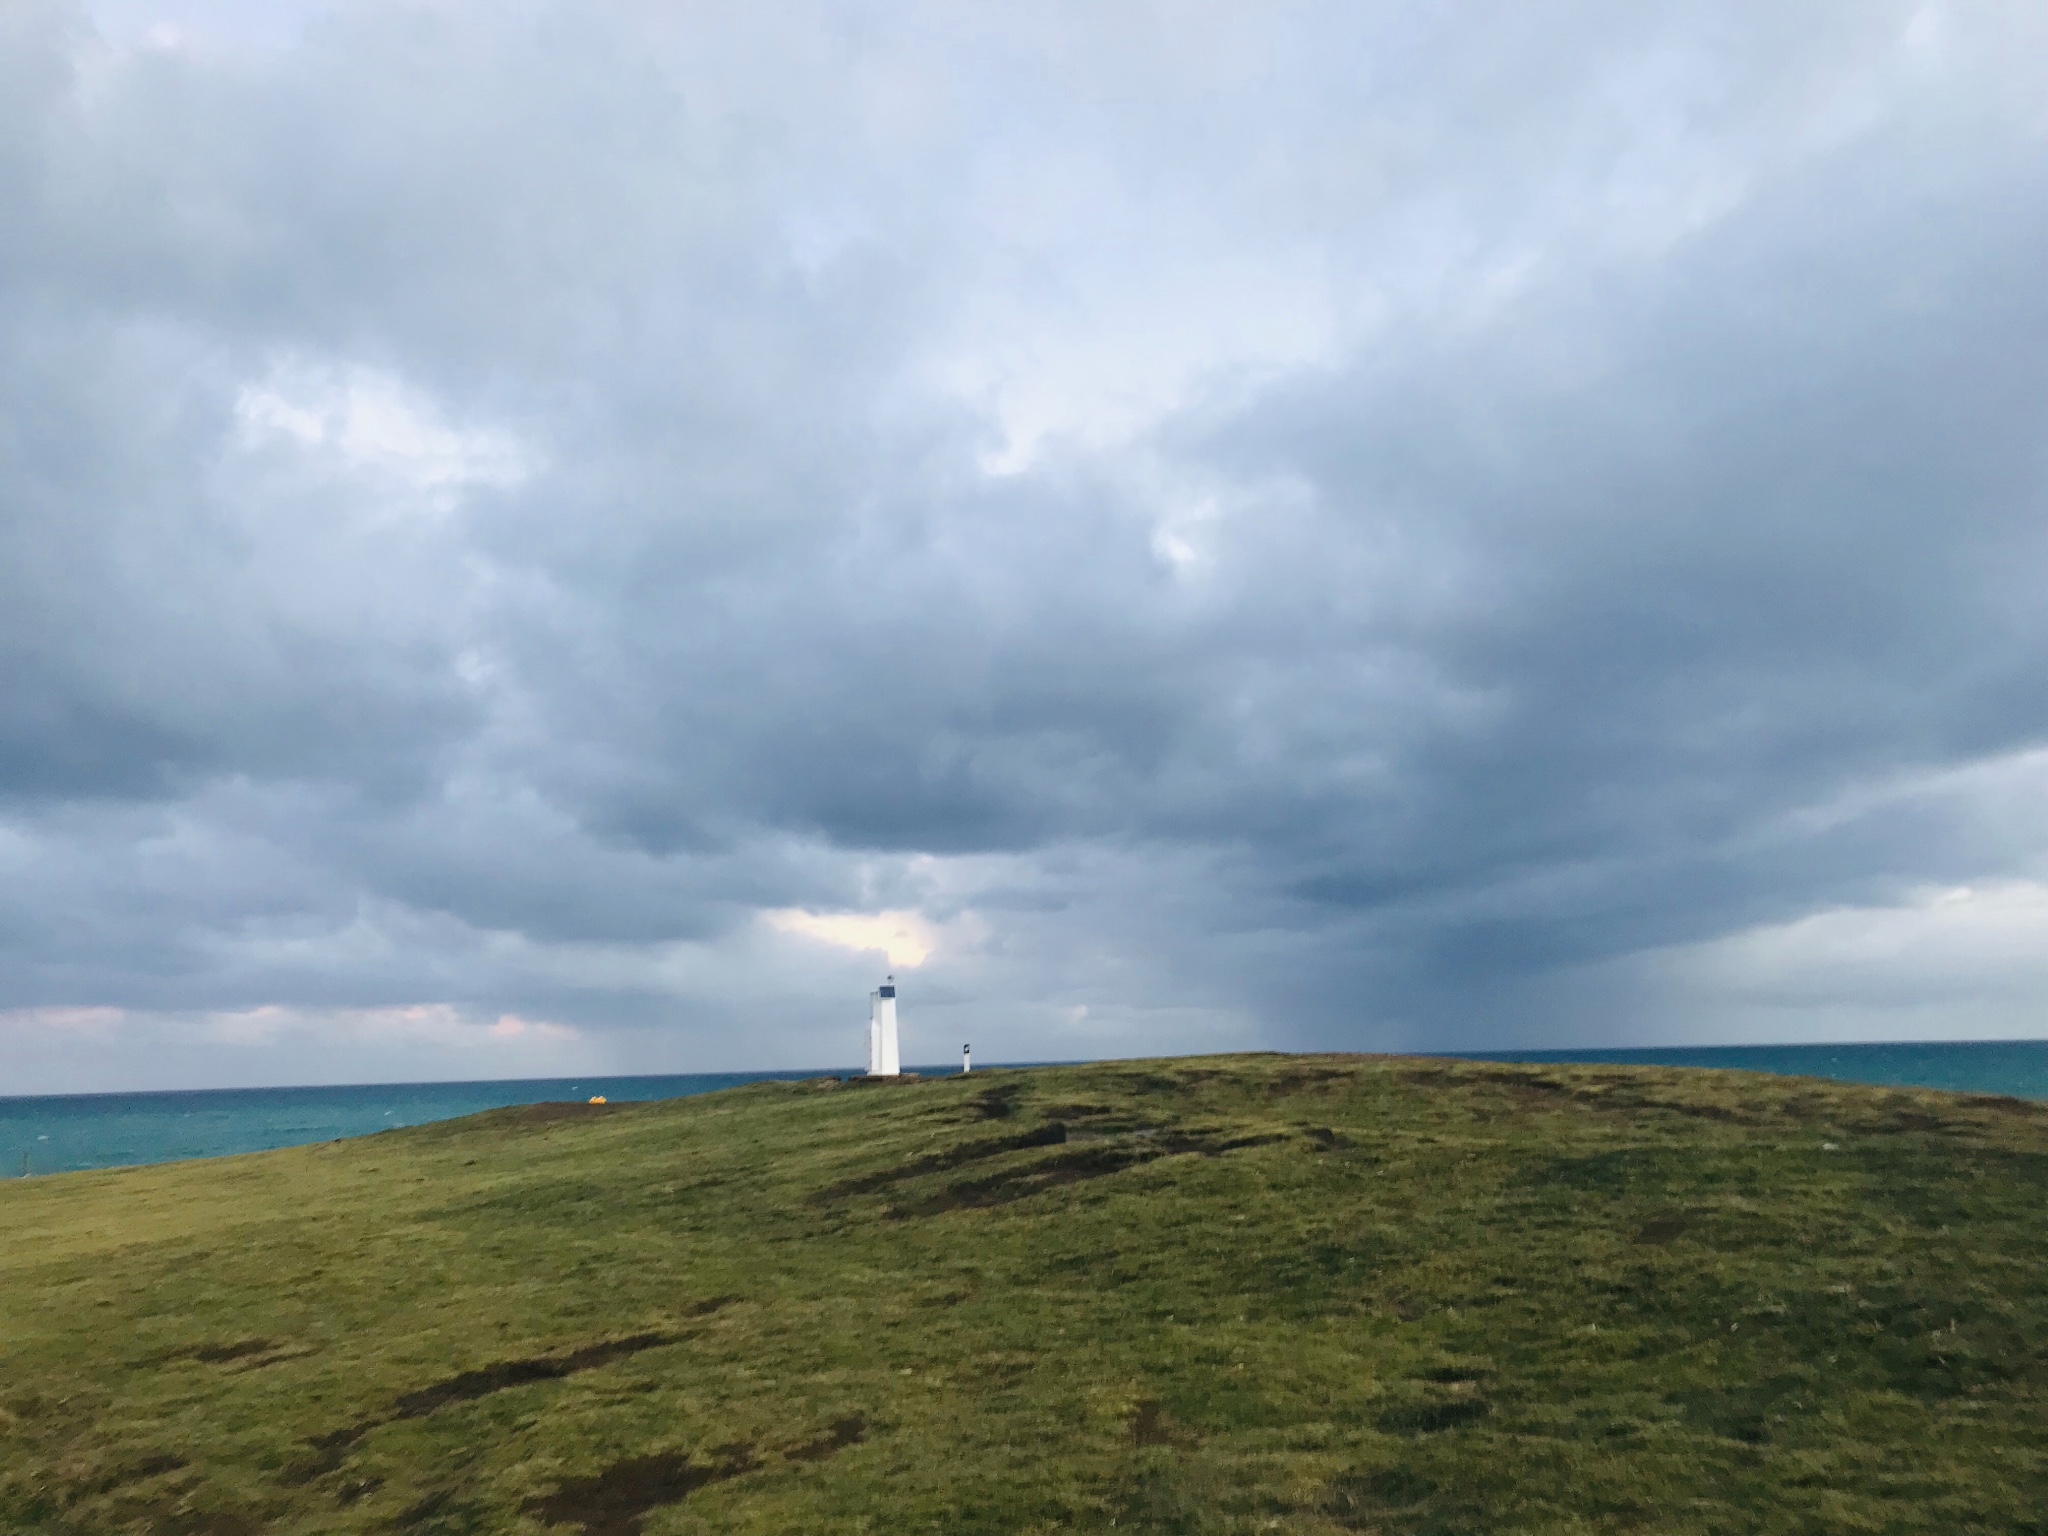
(1295, 1294)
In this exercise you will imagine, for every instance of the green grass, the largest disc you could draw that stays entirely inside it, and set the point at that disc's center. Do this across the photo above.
(1292, 1294)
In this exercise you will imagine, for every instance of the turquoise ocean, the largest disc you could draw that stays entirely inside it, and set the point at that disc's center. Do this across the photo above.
(59, 1133)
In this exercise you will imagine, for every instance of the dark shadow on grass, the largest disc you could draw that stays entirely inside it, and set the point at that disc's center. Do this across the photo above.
(1664, 1227)
(614, 1501)
(202, 1522)
(1434, 1415)
(1362, 1500)
(841, 1434)
(326, 1452)
(2006, 1104)
(443, 1514)
(470, 1385)
(998, 1102)
(123, 1474)
(1215, 1144)
(945, 1161)
(516, 1117)
(1293, 1082)
(1092, 1160)
(248, 1354)
(1150, 1425)
(1089, 1162)
(241, 1349)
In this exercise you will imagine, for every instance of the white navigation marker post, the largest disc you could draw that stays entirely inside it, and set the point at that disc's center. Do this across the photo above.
(883, 1059)
(966, 1058)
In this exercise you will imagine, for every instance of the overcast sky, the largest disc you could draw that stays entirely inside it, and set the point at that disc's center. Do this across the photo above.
(570, 538)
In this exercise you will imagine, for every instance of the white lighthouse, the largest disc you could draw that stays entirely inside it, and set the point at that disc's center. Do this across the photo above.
(883, 1059)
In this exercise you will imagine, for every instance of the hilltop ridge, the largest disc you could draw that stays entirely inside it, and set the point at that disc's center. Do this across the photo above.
(1265, 1293)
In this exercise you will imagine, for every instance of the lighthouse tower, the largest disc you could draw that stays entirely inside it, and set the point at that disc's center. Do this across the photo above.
(883, 1060)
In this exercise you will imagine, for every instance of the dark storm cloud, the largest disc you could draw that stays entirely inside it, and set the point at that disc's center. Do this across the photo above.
(1763, 523)
(1375, 526)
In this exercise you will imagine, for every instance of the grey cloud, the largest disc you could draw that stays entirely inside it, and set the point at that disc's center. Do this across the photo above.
(1356, 528)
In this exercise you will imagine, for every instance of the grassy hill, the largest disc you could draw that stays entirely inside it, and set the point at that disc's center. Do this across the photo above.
(1291, 1294)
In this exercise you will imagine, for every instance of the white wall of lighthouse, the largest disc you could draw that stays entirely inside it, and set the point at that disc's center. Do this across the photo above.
(884, 1058)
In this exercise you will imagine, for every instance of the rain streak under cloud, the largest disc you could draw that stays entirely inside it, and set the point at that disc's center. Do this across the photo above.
(569, 538)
